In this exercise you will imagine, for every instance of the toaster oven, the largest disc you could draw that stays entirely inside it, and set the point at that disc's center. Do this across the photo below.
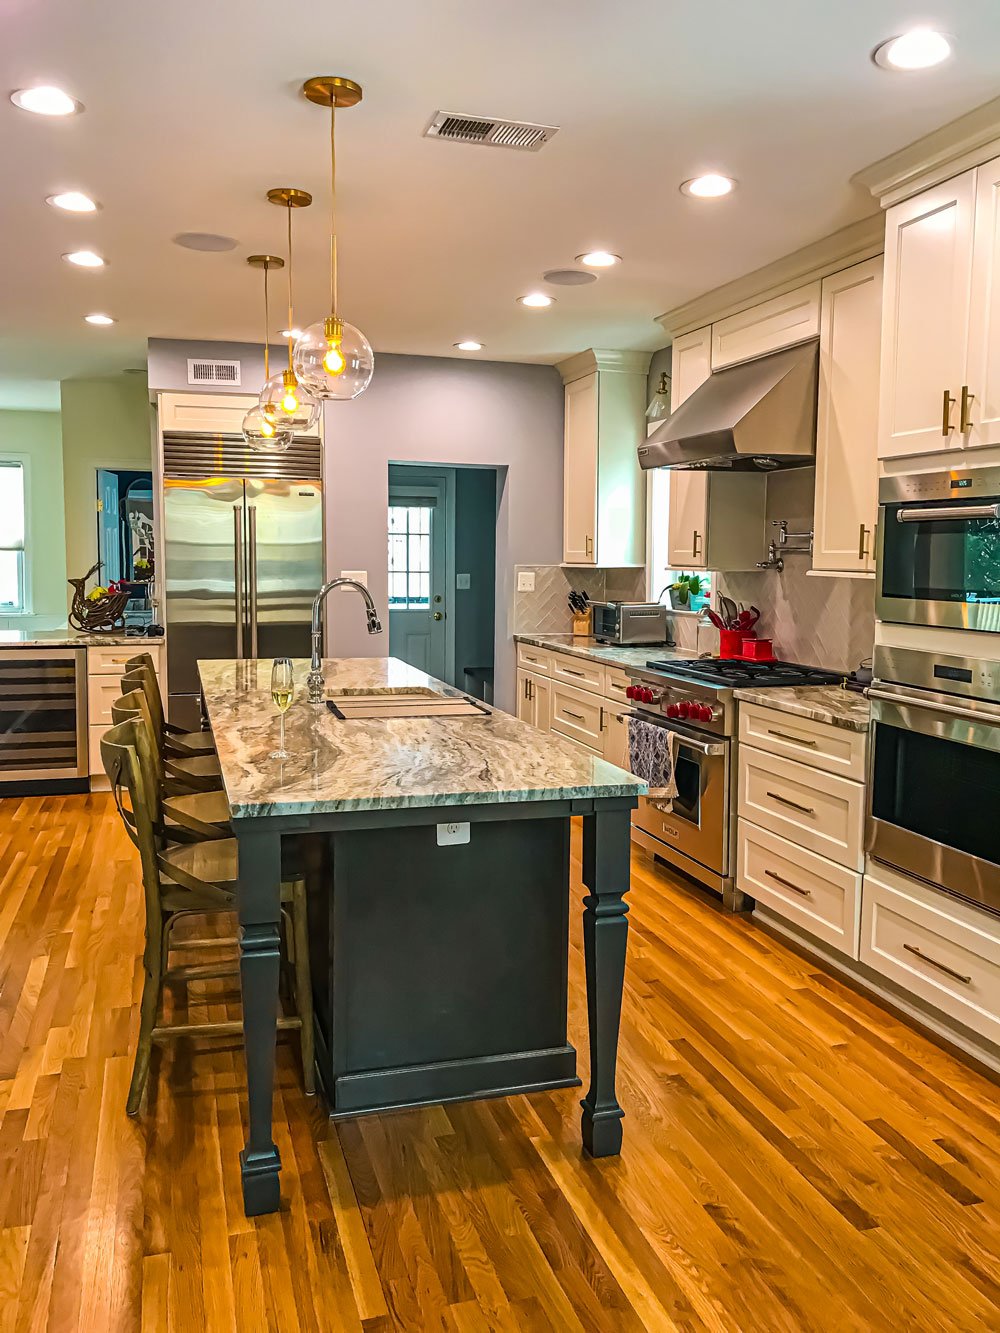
(623, 623)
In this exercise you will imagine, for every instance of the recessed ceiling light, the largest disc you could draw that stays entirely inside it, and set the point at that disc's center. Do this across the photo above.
(919, 49)
(599, 259)
(72, 201)
(99, 319)
(536, 299)
(84, 259)
(710, 186)
(469, 345)
(291, 333)
(205, 240)
(45, 101)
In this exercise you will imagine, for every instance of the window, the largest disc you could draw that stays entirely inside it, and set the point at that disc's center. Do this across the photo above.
(11, 537)
(409, 557)
(658, 573)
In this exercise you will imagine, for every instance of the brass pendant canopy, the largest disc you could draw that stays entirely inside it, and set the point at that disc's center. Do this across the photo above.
(332, 90)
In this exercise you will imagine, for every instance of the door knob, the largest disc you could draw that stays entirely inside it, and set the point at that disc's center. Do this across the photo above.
(439, 615)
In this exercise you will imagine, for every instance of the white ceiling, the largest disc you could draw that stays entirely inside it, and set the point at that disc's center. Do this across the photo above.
(193, 111)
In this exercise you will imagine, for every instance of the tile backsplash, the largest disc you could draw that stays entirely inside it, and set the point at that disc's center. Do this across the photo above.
(546, 611)
(824, 622)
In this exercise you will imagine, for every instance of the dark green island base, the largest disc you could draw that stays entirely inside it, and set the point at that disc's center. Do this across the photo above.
(440, 971)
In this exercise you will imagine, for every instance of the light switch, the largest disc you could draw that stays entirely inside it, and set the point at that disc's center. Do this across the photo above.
(358, 575)
(449, 835)
(463, 581)
(526, 580)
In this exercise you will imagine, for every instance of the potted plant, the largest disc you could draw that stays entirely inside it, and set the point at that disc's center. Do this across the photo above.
(685, 593)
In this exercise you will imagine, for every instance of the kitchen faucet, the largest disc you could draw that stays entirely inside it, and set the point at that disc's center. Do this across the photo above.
(315, 678)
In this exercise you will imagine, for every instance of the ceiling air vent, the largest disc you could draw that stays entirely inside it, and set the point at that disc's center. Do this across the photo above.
(489, 130)
(201, 371)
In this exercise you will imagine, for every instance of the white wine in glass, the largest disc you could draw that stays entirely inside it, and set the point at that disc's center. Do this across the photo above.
(282, 691)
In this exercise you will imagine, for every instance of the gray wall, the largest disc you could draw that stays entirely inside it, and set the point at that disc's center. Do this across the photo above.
(425, 410)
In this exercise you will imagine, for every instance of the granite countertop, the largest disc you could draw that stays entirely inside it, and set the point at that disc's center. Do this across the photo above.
(605, 653)
(337, 766)
(70, 638)
(823, 703)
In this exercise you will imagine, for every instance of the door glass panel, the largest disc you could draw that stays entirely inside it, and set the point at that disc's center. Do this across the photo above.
(938, 789)
(409, 557)
(687, 773)
(953, 561)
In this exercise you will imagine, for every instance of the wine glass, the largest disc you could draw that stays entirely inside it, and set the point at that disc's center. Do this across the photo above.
(282, 689)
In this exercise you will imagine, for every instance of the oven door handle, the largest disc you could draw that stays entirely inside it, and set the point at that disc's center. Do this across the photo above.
(941, 513)
(712, 750)
(981, 716)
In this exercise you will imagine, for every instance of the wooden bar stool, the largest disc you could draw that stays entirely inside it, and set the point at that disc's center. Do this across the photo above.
(198, 771)
(183, 743)
(179, 881)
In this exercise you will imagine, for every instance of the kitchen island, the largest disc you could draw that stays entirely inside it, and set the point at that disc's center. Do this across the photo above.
(438, 850)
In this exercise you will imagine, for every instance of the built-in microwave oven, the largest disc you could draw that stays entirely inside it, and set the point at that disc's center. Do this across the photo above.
(938, 549)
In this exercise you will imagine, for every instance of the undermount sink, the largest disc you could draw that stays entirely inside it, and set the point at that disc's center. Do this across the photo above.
(403, 701)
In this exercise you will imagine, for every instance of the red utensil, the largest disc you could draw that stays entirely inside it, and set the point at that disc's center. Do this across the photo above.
(716, 619)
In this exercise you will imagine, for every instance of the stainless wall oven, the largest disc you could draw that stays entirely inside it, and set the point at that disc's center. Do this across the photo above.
(938, 549)
(934, 781)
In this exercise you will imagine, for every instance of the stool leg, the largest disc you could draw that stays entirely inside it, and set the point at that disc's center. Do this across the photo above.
(303, 983)
(151, 989)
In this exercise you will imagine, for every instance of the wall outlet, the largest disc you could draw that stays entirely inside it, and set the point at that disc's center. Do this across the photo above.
(449, 835)
(463, 581)
(358, 575)
(526, 580)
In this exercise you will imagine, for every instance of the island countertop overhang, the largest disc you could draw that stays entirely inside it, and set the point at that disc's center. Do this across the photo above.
(339, 767)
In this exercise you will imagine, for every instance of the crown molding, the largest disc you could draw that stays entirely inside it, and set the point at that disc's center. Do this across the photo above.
(965, 142)
(850, 245)
(585, 363)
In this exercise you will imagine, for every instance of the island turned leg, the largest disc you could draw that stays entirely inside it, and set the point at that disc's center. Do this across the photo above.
(259, 903)
(606, 853)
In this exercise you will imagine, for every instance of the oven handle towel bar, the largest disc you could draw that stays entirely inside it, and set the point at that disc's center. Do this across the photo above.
(988, 714)
(943, 513)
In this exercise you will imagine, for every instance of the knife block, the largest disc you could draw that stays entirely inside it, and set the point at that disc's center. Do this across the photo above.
(581, 624)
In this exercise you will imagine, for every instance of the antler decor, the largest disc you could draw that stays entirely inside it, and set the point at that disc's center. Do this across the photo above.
(101, 615)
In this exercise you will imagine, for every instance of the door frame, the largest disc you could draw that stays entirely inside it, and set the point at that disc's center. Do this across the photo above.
(441, 482)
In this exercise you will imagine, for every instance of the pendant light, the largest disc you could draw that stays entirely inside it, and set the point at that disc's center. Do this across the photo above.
(286, 402)
(333, 359)
(659, 404)
(259, 430)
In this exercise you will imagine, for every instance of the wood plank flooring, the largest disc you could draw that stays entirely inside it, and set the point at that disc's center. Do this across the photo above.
(795, 1157)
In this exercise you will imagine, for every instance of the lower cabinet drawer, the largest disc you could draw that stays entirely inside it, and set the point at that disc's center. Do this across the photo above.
(112, 659)
(813, 809)
(577, 714)
(533, 659)
(815, 894)
(578, 671)
(102, 691)
(94, 735)
(936, 947)
(616, 682)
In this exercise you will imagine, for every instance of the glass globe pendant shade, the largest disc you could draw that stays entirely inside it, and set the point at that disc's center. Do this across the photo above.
(288, 404)
(262, 435)
(333, 360)
(659, 404)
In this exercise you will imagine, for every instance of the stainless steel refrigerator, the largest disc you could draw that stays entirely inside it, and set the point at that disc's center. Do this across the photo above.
(242, 558)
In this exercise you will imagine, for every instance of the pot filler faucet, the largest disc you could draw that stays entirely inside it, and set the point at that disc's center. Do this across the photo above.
(315, 678)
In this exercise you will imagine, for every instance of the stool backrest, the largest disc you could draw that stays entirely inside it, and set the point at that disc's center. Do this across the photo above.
(122, 749)
(144, 678)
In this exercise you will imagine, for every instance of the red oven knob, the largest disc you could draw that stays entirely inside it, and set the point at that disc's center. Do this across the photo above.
(684, 708)
(673, 710)
(630, 692)
(647, 695)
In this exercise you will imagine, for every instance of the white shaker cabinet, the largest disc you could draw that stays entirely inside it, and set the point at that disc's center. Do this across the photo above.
(982, 379)
(925, 318)
(780, 322)
(534, 694)
(604, 491)
(847, 420)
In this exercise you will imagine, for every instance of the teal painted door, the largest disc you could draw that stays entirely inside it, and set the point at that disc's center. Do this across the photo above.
(108, 527)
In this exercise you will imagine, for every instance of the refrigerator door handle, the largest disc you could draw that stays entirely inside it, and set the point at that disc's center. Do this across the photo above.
(239, 575)
(252, 579)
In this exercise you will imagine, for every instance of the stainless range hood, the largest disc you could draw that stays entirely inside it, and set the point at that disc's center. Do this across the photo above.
(756, 416)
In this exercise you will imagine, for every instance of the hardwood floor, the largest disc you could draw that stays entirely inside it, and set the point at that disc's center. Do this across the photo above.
(795, 1157)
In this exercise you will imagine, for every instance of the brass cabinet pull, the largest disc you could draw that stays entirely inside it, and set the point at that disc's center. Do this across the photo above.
(589, 545)
(806, 810)
(796, 740)
(601, 726)
(787, 884)
(947, 404)
(695, 544)
(941, 967)
(577, 717)
(964, 418)
(862, 543)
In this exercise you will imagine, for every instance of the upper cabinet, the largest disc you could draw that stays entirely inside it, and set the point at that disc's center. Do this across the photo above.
(847, 420)
(604, 511)
(690, 364)
(983, 413)
(780, 322)
(925, 318)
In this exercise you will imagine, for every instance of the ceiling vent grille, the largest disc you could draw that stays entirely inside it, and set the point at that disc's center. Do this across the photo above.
(201, 371)
(489, 130)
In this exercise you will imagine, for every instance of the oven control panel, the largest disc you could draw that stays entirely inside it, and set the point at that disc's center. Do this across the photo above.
(670, 702)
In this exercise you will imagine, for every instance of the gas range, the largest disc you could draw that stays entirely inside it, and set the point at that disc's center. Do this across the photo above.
(699, 691)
